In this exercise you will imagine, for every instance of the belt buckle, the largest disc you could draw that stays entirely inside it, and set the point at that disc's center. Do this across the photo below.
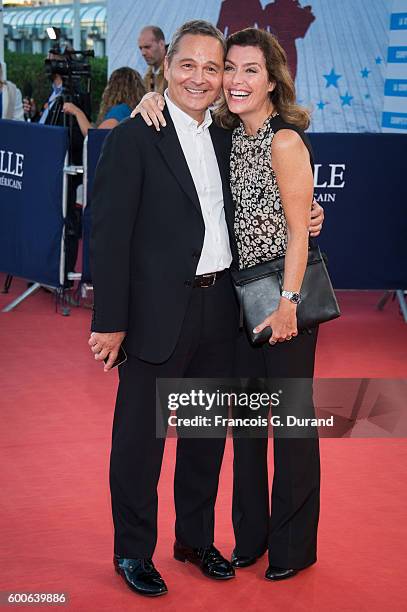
(212, 277)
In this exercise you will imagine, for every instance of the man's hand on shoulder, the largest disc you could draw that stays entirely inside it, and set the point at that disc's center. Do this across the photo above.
(106, 344)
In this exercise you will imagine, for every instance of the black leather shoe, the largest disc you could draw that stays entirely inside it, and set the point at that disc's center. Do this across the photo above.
(279, 573)
(209, 560)
(140, 576)
(240, 561)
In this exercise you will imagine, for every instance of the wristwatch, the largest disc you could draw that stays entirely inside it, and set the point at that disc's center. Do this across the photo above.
(294, 297)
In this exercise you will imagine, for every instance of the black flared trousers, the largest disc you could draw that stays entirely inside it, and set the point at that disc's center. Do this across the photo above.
(290, 531)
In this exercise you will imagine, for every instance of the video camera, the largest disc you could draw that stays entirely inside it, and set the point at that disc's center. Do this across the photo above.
(74, 69)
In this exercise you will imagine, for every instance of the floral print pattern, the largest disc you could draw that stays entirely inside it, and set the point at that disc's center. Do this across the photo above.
(260, 224)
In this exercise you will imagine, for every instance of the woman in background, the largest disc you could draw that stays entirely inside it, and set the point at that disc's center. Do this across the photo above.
(122, 93)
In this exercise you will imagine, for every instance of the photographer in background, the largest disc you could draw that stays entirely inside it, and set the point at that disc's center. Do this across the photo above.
(11, 106)
(32, 113)
(65, 72)
(69, 73)
(122, 93)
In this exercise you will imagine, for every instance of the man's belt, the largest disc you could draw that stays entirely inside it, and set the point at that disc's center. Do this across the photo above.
(208, 280)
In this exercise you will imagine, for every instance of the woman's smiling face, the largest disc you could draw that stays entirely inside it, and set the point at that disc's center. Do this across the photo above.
(246, 83)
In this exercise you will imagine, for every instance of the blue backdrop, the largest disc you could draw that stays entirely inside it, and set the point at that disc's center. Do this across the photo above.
(359, 179)
(31, 221)
(359, 182)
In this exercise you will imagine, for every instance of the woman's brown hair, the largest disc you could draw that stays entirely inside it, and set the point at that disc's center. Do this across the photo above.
(125, 86)
(283, 95)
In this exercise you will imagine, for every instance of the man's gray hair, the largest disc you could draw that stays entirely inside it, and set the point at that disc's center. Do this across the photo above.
(195, 27)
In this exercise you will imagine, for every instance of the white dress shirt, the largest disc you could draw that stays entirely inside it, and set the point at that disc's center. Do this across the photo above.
(56, 92)
(197, 147)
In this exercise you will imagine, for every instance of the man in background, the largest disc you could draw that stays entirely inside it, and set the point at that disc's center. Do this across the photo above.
(152, 47)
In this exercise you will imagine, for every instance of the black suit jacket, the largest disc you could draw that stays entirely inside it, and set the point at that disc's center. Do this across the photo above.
(147, 234)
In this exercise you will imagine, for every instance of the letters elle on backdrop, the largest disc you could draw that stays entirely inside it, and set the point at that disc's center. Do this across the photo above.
(11, 169)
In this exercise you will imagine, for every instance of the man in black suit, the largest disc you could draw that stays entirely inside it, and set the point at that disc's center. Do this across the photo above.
(160, 255)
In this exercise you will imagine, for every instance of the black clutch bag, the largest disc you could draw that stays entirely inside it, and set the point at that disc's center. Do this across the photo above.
(259, 291)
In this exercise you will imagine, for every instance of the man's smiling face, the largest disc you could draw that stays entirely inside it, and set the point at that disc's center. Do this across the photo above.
(194, 74)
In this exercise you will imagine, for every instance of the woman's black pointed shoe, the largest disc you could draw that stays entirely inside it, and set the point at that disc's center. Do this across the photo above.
(140, 576)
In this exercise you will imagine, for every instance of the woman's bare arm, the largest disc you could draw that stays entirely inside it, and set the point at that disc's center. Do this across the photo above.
(83, 121)
(291, 165)
(108, 124)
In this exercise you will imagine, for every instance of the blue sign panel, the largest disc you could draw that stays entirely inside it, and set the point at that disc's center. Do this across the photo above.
(31, 221)
(359, 179)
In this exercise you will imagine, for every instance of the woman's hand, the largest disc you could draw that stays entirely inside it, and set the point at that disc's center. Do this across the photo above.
(81, 118)
(283, 322)
(150, 107)
(71, 109)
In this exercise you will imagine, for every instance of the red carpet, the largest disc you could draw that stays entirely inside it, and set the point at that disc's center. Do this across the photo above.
(56, 533)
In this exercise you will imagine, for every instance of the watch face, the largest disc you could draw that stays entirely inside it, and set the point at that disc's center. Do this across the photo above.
(295, 298)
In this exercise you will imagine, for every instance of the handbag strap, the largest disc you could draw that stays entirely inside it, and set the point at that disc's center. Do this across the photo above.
(241, 314)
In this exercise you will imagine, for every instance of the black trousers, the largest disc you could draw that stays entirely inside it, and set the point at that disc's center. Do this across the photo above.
(290, 532)
(205, 348)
